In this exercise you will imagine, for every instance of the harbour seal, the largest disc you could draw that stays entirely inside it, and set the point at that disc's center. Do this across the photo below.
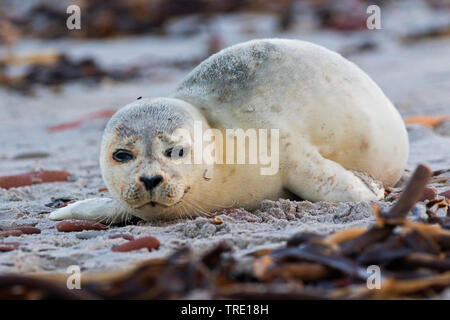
(340, 138)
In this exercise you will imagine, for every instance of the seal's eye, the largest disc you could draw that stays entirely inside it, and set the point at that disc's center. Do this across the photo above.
(176, 152)
(122, 155)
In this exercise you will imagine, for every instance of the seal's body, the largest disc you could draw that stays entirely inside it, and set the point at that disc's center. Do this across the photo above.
(340, 138)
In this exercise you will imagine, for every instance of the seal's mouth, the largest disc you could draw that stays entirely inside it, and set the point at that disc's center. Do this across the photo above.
(154, 204)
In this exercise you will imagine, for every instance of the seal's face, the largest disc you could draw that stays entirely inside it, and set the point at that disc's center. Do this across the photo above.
(147, 169)
(142, 157)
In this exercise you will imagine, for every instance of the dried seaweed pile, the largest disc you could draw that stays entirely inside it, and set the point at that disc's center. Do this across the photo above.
(56, 69)
(118, 17)
(414, 259)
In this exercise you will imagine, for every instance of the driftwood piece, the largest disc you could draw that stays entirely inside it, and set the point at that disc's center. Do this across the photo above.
(410, 195)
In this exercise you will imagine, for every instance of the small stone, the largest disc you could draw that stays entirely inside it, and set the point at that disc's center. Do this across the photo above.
(445, 194)
(31, 178)
(28, 230)
(428, 194)
(149, 243)
(79, 225)
(217, 220)
(10, 233)
(8, 246)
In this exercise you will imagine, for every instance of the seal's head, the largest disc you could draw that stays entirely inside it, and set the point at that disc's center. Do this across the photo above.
(143, 157)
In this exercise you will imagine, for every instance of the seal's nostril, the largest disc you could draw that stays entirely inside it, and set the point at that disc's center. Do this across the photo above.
(151, 183)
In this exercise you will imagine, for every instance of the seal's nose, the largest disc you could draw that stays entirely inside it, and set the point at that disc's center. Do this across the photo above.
(151, 183)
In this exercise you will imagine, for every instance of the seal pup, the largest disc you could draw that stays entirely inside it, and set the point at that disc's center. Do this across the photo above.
(340, 138)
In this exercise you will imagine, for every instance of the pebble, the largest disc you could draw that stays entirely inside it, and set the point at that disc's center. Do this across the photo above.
(28, 230)
(79, 225)
(217, 220)
(8, 246)
(30, 178)
(10, 233)
(150, 243)
(428, 194)
(445, 194)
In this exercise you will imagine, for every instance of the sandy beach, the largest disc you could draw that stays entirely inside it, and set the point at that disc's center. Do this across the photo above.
(415, 76)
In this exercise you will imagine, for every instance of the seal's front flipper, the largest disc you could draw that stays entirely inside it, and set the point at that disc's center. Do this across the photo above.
(316, 178)
(104, 210)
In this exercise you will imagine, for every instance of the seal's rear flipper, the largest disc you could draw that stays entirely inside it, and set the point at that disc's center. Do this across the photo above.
(104, 210)
(316, 178)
